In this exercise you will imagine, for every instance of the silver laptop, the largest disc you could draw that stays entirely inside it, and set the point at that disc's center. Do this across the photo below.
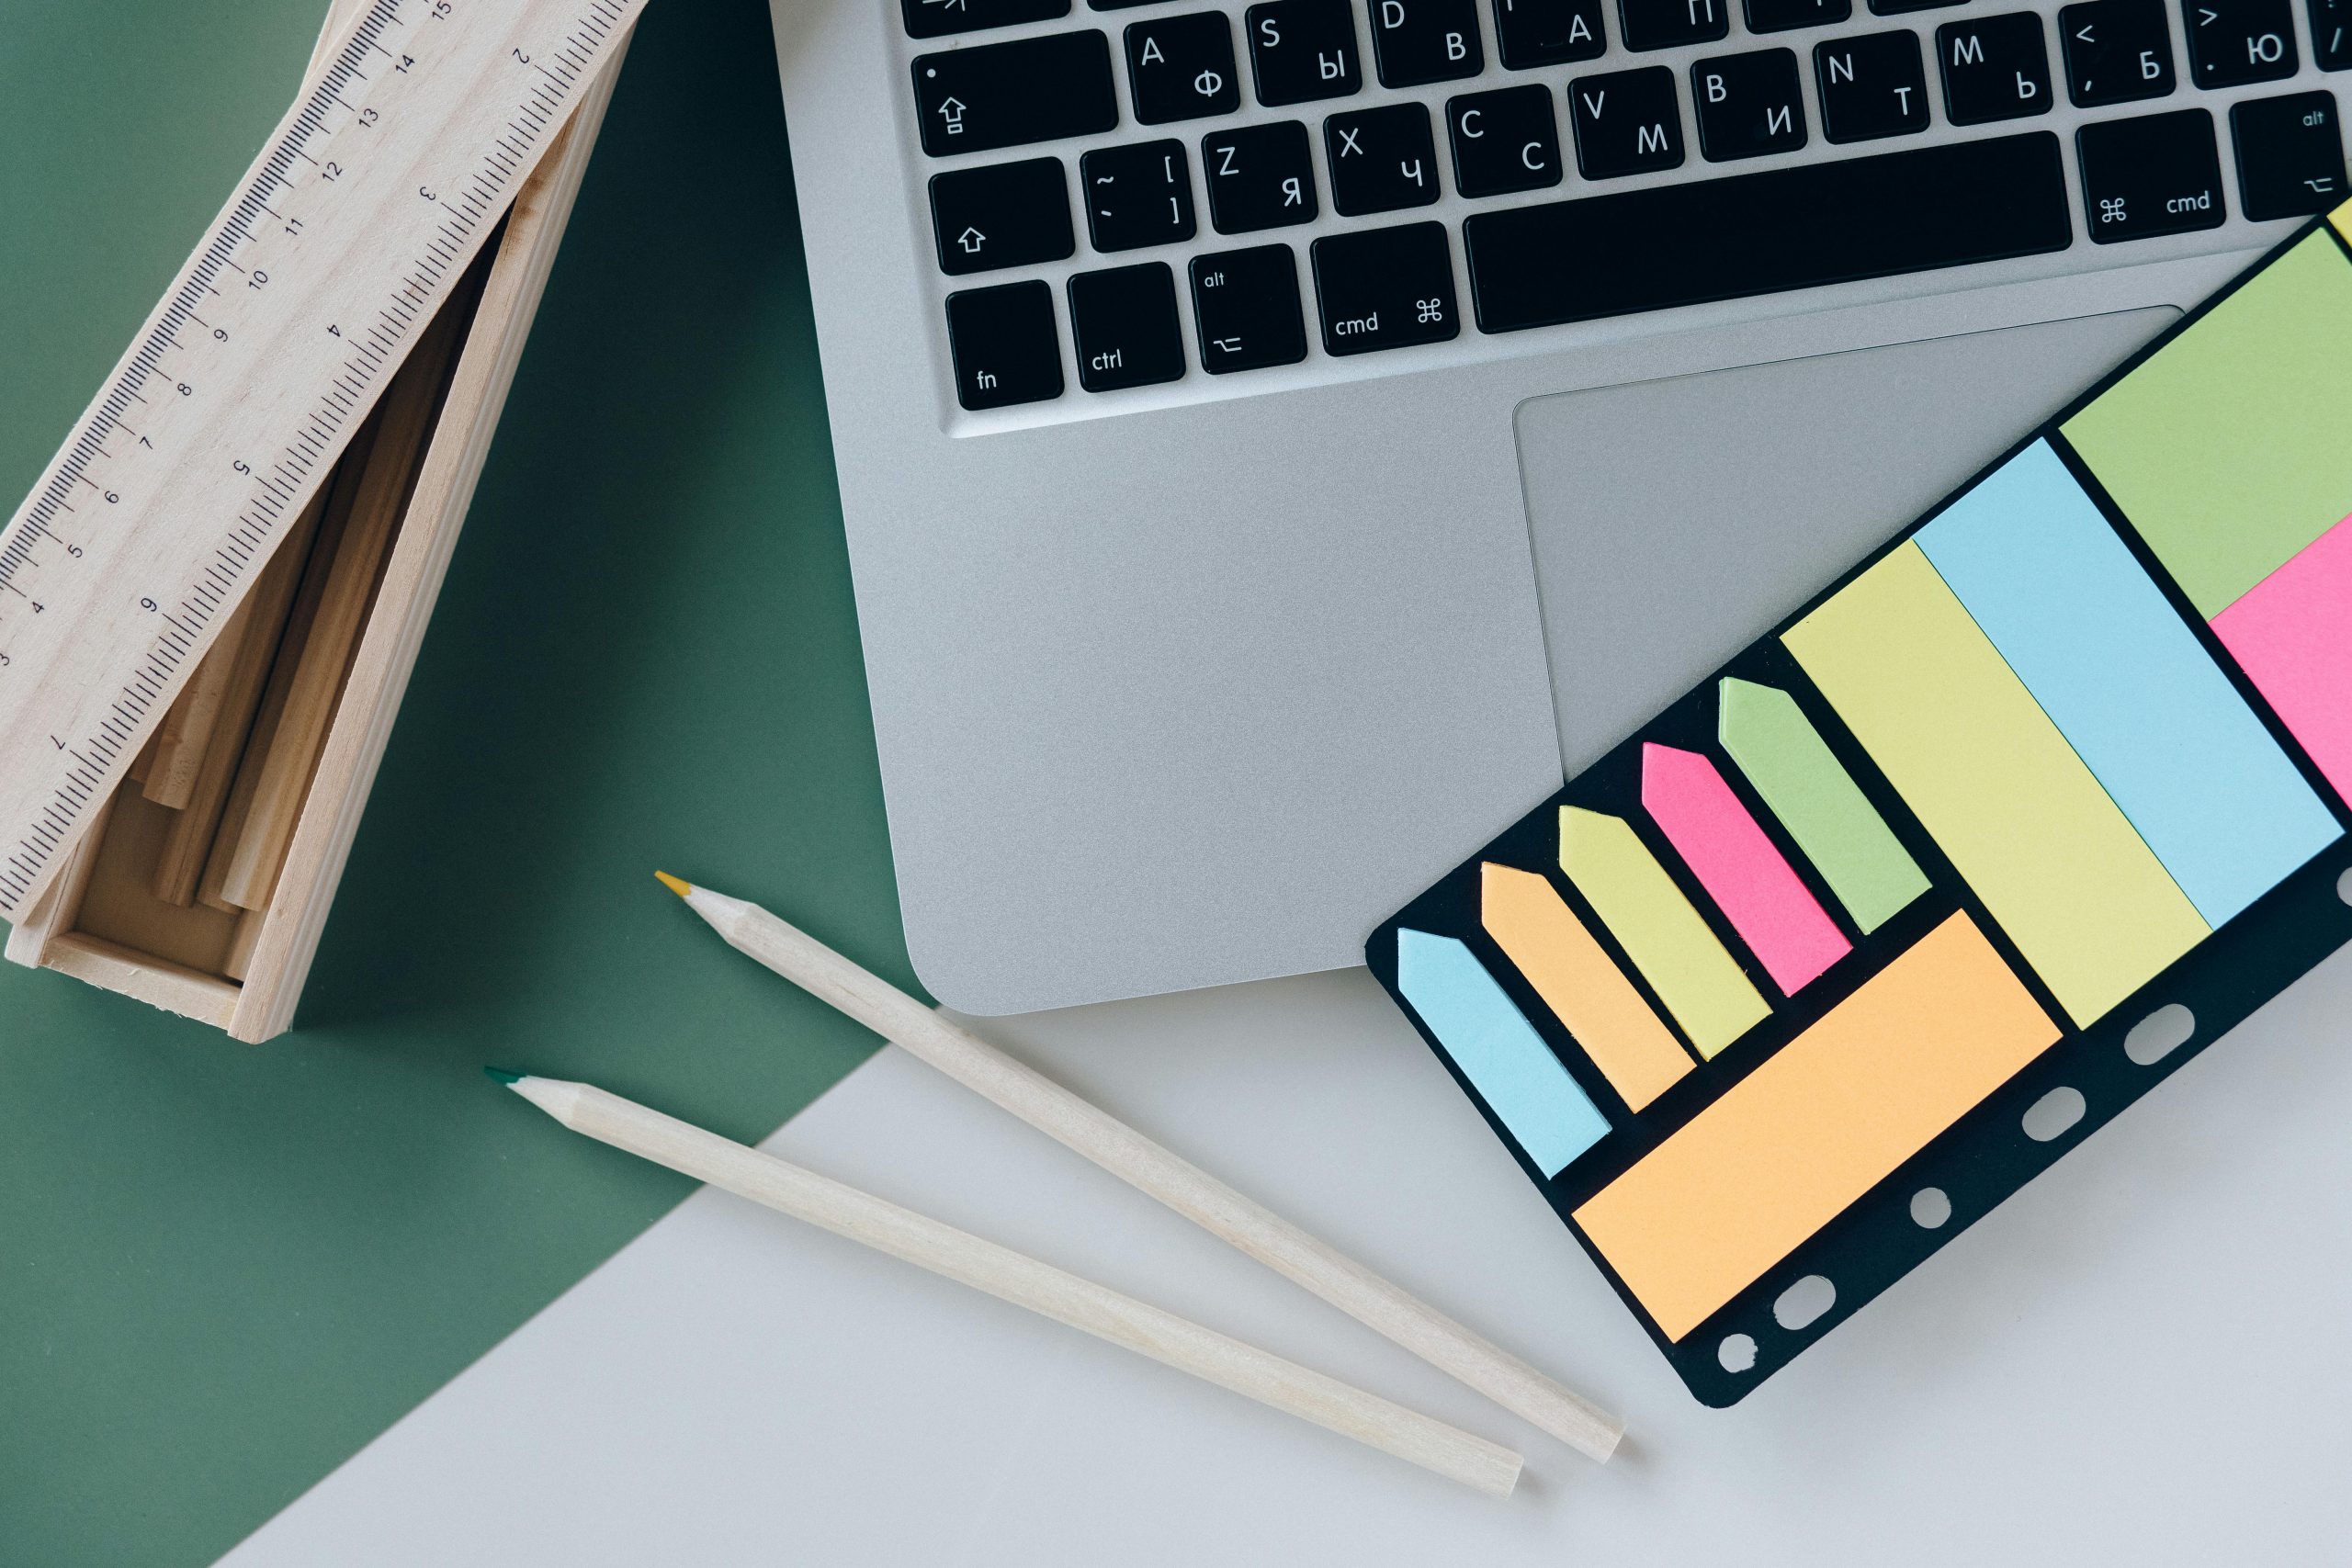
(1277, 439)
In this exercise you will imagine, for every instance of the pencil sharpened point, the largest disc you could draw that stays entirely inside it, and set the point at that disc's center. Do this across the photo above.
(679, 886)
(503, 1075)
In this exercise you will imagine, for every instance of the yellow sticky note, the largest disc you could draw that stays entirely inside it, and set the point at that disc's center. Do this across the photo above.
(1826, 1118)
(1580, 983)
(2342, 219)
(1982, 766)
(1700, 982)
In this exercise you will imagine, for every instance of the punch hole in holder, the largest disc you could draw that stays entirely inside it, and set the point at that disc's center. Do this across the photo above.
(2054, 1114)
(2343, 885)
(1930, 1207)
(2160, 1033)
(1803, 1302)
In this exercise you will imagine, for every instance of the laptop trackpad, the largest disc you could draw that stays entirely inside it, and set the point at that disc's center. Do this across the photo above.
(1676, 520)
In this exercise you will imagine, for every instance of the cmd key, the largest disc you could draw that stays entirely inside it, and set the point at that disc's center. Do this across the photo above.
(1386, 288)
(1007, 95)
(2156, 174)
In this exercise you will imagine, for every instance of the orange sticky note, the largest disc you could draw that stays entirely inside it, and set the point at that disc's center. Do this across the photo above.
(1578, 980)
(1744, 1183)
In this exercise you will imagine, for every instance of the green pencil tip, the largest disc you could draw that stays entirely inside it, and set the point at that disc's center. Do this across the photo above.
(503, 1075)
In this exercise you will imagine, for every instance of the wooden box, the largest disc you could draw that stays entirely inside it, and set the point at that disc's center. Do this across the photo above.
(242, 970)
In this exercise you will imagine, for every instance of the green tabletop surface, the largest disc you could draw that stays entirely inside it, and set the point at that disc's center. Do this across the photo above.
(224, 1268)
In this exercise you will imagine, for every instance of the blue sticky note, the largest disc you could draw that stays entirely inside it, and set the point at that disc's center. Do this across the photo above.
(2126, 681)
(1497, 1050)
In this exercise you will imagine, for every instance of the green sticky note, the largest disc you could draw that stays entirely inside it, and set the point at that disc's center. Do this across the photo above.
(2227, 448)
(1784, 758)
(1701, 984)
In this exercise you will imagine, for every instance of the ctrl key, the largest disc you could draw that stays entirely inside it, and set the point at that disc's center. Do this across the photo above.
(1247, 304)
(2157, 175)
(1005, 345)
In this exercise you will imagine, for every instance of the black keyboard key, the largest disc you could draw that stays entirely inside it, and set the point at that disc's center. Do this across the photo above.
(2331, 34)
(1246, 305)
(2291, 154)
(1007, 215)
(1870, 86)
(1418, 41)
(1260, 176)
(1900, 8)
(1749, 104)
(1625, 122)
(1137, 195)
(1758, 233)
(1528, 33)
(1380, 158)
(1181, 67)
(1005, 95)
(2232, 43)
(1779, 16)
(1663, 23)
(1122, 323)
(1783, 14)
(1005, 346)
(938, 18)
(2118, 51)
(1504, 140)
(1301, 50)
(1386, 288)
(2157, 175)
(1994, 68)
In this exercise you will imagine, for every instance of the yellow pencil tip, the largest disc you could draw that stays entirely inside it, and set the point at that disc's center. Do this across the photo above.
(684, 889)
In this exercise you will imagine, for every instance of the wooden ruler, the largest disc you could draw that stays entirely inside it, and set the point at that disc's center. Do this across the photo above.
(232, 405)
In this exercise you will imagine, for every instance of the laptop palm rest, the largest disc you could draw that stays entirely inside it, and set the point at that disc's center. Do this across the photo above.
(1675, 521)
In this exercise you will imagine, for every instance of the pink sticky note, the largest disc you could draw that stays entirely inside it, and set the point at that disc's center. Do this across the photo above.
(2292, 634)
(1782, 924)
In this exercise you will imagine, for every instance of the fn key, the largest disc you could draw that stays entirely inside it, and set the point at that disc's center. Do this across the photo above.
(1005, 346)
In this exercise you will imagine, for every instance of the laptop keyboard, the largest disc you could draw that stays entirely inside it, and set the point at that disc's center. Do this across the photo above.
(1578, 180)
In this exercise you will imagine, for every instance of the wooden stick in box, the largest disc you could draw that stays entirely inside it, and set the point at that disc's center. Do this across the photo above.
(248, 649)
(257, 853)
(284, 656)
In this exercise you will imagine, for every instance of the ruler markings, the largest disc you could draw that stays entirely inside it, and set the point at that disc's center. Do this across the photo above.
(32, 861)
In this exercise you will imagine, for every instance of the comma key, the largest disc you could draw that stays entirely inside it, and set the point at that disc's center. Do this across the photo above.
(1386, 288)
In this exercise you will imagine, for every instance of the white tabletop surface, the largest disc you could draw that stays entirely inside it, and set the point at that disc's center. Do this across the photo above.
(2141, 1358)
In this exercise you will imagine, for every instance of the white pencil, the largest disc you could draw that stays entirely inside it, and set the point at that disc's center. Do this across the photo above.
(1128, 1155)
(1023, 1281)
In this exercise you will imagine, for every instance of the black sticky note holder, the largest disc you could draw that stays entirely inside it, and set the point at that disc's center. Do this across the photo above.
(1995, 1147)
